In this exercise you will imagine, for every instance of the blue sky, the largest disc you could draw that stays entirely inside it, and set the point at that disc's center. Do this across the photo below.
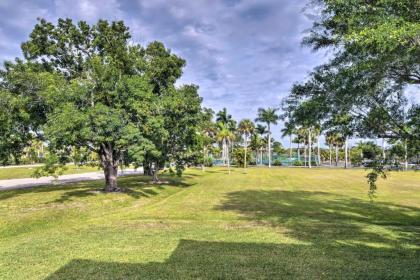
(243, 54)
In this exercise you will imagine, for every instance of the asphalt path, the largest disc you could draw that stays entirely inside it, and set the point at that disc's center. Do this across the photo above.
(13, 184)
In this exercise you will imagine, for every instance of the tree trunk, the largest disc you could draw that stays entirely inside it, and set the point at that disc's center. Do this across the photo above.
(310, 149)
(319, 151)
(345, 153)
(304, 154)
(110, 166)
(336, 154)
(110, 173)
(155, 171)
(405, 155)
(329, 147)
(246, 147)
(223, 152)
(269, 146)
(298, 151)
(227, 155)
(290, 150)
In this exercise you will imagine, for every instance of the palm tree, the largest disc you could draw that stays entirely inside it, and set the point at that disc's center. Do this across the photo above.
(269, 117)
(246, 128)
(225, 136)
(225, 118)
(261, 130)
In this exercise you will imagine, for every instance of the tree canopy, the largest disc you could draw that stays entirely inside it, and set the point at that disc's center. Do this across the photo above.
(89, 86)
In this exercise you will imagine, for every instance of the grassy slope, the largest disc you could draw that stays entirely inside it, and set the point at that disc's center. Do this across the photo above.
(26, 172)
(267, 224)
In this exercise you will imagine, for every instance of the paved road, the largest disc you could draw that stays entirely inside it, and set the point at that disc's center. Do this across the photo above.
(13, 184)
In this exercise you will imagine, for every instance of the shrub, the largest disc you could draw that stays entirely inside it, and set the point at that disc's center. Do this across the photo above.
(208, 161)
(297, 163)
(277, 162)
(239, 157)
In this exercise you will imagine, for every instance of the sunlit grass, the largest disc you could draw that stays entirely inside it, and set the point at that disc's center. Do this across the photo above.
(26, 172)
(253, 224)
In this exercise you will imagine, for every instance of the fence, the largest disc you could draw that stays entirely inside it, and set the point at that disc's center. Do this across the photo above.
(275, 160)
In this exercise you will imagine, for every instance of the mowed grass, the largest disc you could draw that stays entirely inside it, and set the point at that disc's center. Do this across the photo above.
(261, 223)
(26, 172)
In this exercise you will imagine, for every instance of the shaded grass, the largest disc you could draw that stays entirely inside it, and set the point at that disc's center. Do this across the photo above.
(26, 172)
(255, 224)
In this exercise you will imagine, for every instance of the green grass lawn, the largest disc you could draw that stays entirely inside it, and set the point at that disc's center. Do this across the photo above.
(26, 172)
(274, 223)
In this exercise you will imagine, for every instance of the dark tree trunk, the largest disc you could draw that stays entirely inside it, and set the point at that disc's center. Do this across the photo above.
(147, 171)
(111, 173)
(155, 171)
(109, 161)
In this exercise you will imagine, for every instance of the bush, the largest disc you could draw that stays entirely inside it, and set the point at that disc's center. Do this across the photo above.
(208, 162)
(239, 157)
(277, 162)
(297, 163)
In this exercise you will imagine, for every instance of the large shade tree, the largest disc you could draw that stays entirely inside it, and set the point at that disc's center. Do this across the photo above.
(97, 90)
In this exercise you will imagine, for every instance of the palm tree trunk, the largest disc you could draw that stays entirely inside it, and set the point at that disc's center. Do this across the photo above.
(269, 145)
(298, 151)
(345, 153)
(319, 151)
(405, 155)
(227, 154)
(223, 152)
(245, 146)
(304, 154)
(290, 149)
(336, 154)
(310, 148)
(329, 147)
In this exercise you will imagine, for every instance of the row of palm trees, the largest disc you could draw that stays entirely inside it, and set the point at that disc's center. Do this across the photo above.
(258, 138)
(255, 135)
(225, 131)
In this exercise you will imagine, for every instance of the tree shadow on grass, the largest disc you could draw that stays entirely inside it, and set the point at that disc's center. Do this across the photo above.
(225, 260)
(133, 185)
(324, 217)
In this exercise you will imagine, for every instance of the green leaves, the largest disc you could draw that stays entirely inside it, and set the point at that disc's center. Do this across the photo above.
(87, 88)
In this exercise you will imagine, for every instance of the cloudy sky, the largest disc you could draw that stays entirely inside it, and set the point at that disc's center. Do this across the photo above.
(243, 54)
